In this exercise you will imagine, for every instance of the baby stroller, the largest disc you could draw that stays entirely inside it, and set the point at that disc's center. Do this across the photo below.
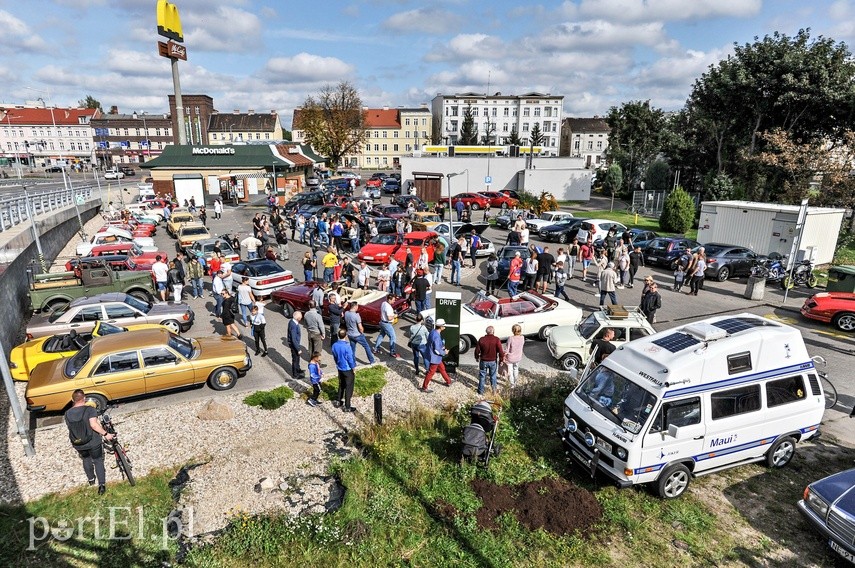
(480, 436)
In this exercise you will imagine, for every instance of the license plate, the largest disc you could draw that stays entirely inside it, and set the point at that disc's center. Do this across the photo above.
(603, 445)
(578, 456)
(841, 551)
(653, 259)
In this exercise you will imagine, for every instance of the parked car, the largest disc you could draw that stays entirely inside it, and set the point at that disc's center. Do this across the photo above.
(28, 355)
(350, 175)
(595, 229)
(405, 200)
(297, 297)
(383, 247)
(511, 193)
(305, 198)
(546, 219)
(506, 218)
(425, 221)
(113, 174)
(135, 363)
(265, 276)
(506, 255)
(203, 249)
(176, 220)
(53, 170)
(500, 200)
(570, 345)
(836, 308)
(391, 185)
(486, 248)
(726, 261)
(474, 200)
(663, 251)
(189, 233)
(640, 238)
(139, 256)
(828, 505)
(128, 171)
(374, 182)
(313, 181)
(535, 313)
(136, 231)
(112, 236)
(117, 308)
(371, 192)
(379, 175)
(114, 261)
(563, 232)
(391, 211)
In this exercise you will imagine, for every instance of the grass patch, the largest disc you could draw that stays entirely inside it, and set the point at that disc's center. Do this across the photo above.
(135, 544)
(270, 400)
(845, 255)
(368, 381)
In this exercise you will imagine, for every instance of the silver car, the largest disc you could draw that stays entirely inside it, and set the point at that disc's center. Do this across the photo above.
(114, 307)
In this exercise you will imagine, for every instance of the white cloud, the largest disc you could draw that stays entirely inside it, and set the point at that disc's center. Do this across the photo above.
(307, 68)
(467, 46)
(17, 35)
(594, 35)
(136, 63)
(226, 29)
(663, 10)
(679, 73)
(423, 21)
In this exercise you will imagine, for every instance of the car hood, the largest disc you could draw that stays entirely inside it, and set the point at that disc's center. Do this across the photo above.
(838, 486)
(467, 228)
(550, 226)
(567, 336)
(220, 346)
(175, 309)
(375, 249)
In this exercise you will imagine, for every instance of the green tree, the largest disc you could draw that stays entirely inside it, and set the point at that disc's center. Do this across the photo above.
(286, 134)
(720, 188)
(678, 212)
(658, 177)
(333, 121)
(612, 182)
(535, 138)
(637, 136)
(89, 102)
(514, 138)
(468, 133)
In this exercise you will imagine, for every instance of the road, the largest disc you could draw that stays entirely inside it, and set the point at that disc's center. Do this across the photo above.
(677, 309)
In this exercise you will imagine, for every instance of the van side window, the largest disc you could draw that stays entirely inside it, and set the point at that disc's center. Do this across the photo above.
(735, 401)
(739, 362)
(783, 391)
(679, 413)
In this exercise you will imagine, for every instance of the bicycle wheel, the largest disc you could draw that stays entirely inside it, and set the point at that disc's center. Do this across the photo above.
(125, 465)
(830, 392)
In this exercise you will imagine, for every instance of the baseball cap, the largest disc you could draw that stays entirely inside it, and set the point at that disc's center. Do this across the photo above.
(440, 323)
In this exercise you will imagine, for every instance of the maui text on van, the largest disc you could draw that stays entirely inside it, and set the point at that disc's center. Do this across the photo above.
(708, 396)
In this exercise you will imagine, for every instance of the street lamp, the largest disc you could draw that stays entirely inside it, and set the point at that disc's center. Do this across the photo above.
(450, 208)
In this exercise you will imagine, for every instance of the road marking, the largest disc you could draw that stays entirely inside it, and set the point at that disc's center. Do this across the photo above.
(782, 319)
(834, 334)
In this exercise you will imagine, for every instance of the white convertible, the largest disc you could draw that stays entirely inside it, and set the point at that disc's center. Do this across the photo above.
(112, 235)
(536, 314)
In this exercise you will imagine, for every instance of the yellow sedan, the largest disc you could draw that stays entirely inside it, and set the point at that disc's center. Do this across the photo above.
(135, 363)
(26, 356)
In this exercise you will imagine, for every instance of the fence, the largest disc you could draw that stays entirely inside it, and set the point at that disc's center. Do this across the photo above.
(14, 210)
(650, 203)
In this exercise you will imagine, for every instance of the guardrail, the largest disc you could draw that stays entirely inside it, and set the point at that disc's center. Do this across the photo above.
(14, 210)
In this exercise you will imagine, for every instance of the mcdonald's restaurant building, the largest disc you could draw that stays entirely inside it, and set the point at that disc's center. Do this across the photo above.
(238, 173)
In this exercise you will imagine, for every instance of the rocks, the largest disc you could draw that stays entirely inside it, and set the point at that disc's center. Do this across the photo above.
(215, 411)
(264, 484)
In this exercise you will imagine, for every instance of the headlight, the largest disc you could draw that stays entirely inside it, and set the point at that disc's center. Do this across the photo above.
(12, 365)
(567, 413)
(621, 453)
(589, 439)
(572, 426)
(547, 332)
(816, 503)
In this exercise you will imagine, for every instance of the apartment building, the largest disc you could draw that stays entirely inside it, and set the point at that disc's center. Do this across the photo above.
(242, 128)
(34, 135)
(135, 138)
(586, 138)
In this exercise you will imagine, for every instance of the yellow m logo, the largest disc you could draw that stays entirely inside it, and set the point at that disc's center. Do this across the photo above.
(168, 21)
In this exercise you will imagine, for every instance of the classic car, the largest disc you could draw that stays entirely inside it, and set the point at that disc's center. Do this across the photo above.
(500, 200)
(189, 233)
(535, 313)
(386, 246)
(405, 200)
(112, 236)
(836, 308)
(391, 211)
(117, 308)
(828, 505)
(506, 255)
(371, 193)
(374, 182)
(265, 276)
(142, 258)
(474, 200)
(486, 248)
(136, 230)
(506, 219)
(176, 220)
(570, 345)
(137, 363)
(546, 219)
(297, 297)
(26, 356)
(425, 221)
(114, 261)
(203, 249)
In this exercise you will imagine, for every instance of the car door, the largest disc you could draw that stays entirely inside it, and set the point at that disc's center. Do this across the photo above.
(742, 260)
(163, 369)
(121, 314)
(660, 447)
(85, 319)
(119, 375)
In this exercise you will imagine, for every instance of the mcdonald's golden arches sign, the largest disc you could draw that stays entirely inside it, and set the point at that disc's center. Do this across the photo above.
(169, 21)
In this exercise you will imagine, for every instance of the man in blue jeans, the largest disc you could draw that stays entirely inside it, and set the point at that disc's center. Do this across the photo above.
(345, 363)
(387, 328)
(355, 331)
(489, 353)
(421, 289)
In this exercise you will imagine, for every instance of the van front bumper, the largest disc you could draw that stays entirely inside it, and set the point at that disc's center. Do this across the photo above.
(586, 458)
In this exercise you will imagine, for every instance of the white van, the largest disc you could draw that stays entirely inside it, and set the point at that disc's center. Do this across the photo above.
(708, 396)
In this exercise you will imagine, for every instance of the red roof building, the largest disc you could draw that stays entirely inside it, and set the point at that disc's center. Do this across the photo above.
(44, 136)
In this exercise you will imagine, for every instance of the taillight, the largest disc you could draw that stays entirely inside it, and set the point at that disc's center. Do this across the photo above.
(809, 304)
(712, 260)
(186, 316)
(593, 230)
(30, 337)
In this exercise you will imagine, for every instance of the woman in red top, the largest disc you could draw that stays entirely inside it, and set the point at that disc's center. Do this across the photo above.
(214, 265)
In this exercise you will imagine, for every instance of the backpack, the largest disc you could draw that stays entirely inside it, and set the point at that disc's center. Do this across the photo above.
(491, 269)
(79, 432)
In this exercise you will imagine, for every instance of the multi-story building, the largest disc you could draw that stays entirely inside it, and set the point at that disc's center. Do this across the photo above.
(241, 128)
(40, 136)
(586, 138)
(495, 117)
(197, 115)
(134, 138)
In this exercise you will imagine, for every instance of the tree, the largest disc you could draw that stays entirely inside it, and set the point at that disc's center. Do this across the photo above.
(334, 122)
(286, 134)
(720, 188)
(89, 102)
(636, 138)
(468, 133)
(678, 212)
(612, 182)
(658, 177)
(436, 128)
(536, 136)
(514, 138)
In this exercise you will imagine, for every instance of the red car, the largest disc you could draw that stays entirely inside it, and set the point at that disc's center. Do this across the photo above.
(114, 261)
(384, 247)
(374, 182)
(143, 260)
(474, 200)
(133, 225)
(500, 200)
(297, 297)
(837, 308)
(134, 231)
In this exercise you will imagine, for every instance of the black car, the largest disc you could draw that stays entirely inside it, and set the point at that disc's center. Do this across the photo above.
(563, 232)
(385, 225)
(506, 218)
(505, 256)
(308, 210)
(305, 198)
(404, 201)
(331, 194)
(53, 170)
(640, 238)
(128, 171)
(663, 251)
(379, 175)
(391, 185)
(725, 261)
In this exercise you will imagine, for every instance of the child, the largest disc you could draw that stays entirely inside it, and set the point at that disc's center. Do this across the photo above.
(678, 277)
(316, 375)
(560, 279)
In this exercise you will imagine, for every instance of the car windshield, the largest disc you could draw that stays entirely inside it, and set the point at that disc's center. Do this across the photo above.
(510, 253)
(482, 306)
(659, 244)
(414, 242)
(386, 239)
(131, 264)
(713, 250)
(75, 363)
(140, 305)
(392, 210)
(547, 216)
(187, 231)
(105, 328)
(430, 218)
(266, 268)
(181, 344)
(617, 398)
(589, 326)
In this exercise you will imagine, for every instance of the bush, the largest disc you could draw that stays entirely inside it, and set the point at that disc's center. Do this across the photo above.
(678, 212)
(547, 202)
(270, 400)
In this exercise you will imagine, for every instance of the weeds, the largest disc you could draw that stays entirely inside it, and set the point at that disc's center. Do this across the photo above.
(270, 400)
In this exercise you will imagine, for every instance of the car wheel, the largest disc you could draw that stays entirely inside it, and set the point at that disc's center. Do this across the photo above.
(99, 402)
(571, 361)
(673, 482)
(463, 344)
(844, 321)
(563, 238)
(287, 310)
(55, 305)
(543, 334)
(141, 295)
(723, 274)
(474, 207)
(171, 325)
(781, 452)
(223, 378)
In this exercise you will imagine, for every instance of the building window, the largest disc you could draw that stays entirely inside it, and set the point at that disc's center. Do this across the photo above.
(475, 111)
(62, 145)
(536, 111)
(590, 145)
(547, 111)
(376, 134)
(526, 111)
(385, 147)
(267, 136)
(197, 110)
(454, 111)
(376, 161)
(507, 111)
(424, 134)
(385, 134)
(407, 148)
(407, 122)
(600, 145)
(87, 146)
(506, 127)
(368, 147)
(385, 160)
(424, 122)
(377, 147)
(258, 135)
(576, 145)
(454, 126)
(394, 134)
(525, 127)
(394, 147)
(50, 145)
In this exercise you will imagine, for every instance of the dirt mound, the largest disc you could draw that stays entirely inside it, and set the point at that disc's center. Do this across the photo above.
(554, 505)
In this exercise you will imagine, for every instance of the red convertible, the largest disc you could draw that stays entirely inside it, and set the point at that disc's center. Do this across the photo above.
(134, 230)
(384, 247)
(374, 182)
(500, 200)
(473, 200)
(297, 297)
(837, 308)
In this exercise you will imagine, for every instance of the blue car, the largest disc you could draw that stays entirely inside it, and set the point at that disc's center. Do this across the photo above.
(391, 185)
(829, 505)
(505, 256)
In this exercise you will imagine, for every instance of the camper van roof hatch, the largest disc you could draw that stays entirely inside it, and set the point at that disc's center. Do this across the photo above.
(676, 342)
(705, 332)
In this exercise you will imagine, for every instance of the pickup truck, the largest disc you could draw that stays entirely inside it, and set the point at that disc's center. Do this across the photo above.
(51, 292)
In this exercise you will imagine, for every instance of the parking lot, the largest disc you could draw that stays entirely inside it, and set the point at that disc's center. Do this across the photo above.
(677, 309)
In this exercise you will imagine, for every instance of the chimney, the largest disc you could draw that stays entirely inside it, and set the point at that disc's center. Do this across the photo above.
(385, 108)
(250, 111)
(114, 110)
(236, 111)
(273, 111)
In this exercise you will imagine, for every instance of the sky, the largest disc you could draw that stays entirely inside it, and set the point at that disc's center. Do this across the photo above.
(271, 54)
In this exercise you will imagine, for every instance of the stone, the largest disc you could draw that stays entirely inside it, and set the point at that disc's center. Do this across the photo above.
(215, 411)
(266, 484)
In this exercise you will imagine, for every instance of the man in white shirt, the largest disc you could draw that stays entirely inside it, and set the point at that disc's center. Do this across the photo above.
(217, 286)
(226, 267)
(387, 326)
(363, 277)
(251, 245)
(161, 275)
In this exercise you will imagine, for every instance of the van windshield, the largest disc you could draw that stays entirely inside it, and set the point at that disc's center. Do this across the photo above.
(617, 398)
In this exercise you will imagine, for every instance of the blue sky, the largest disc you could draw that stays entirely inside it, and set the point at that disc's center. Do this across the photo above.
(267, 54)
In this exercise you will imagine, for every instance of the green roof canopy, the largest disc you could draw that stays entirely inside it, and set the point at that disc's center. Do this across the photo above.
(213, 157)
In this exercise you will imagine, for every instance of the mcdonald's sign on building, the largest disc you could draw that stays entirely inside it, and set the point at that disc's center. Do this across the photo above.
(169, 21)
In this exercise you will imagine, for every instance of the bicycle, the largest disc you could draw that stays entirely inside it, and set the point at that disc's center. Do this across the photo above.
(123, 462)
(828, 388)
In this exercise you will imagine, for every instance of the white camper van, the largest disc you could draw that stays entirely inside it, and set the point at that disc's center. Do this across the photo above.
(708, 396)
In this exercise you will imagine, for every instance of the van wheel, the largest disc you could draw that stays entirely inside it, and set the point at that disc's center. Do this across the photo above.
(673, 482)
(463, 344)
(781, 452)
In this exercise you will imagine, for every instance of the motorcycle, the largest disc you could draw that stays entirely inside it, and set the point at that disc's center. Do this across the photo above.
(802, 276)
(771, 268)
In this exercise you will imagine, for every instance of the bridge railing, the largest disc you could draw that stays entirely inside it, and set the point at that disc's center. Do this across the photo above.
(14, 210)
